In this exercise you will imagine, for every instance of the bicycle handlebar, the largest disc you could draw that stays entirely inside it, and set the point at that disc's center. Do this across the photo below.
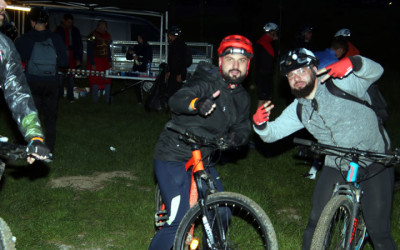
(12, 151)
(320, 148)
(191, 138)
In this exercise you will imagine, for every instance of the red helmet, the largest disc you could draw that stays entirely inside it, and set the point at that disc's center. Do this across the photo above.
(235, 44)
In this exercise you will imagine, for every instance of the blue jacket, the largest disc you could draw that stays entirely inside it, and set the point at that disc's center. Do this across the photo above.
(326, 57)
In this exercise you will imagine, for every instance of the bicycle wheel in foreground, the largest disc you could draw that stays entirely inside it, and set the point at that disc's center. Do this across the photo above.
(237, 222)
(7, 241)
(335, 225)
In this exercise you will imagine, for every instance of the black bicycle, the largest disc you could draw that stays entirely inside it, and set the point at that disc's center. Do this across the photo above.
(8, 152)
(341, 224)
(216, 220)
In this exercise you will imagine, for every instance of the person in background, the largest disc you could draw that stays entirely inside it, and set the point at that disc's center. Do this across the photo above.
(18, 96)
(142, 56)
(338, 122)
(213, 103)
(43, 82)
(265, 52)
(345, 34)
(99, 60)
(73, 41)
(177, 70)
(336, 51)
(304, 38)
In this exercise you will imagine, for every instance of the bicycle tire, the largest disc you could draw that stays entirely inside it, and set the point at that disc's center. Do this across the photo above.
(328, 235)
(249, 226)
(160, 215)
(7, 241)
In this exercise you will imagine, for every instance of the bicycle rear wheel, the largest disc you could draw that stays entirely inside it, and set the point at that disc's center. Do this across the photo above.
(160, 214)
(237, 222)
(7, 241)
(335, 225)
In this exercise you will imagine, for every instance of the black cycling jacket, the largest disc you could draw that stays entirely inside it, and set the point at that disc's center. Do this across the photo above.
(230, 115)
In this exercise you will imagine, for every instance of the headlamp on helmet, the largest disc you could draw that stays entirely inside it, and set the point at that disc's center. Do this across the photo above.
(235, 44)
(297, 58)
(174, 30)
(343, 32)
(270, 27)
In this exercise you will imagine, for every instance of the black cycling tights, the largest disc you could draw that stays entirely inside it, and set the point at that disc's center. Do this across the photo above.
(376, 204)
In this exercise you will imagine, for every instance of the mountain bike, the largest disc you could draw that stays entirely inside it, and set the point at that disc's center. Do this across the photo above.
(341, 224)
(216, 220)
(8, 152)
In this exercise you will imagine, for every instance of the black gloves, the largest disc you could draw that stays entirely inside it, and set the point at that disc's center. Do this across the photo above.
(233, 140)
(37, 148)
(205, 106)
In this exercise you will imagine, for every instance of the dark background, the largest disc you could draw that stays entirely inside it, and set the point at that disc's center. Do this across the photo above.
(375, 24)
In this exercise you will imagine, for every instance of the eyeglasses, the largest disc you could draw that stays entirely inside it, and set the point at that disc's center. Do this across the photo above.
(298, 72)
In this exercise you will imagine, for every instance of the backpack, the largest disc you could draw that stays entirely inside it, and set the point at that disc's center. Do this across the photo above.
(188, 57)
(378, 102)
(43, 60)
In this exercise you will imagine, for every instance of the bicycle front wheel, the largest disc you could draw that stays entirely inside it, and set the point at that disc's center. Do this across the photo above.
(236, 222)
(335, 225)
(7, 241)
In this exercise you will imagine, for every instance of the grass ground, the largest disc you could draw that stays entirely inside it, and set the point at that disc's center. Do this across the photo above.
(91, 197)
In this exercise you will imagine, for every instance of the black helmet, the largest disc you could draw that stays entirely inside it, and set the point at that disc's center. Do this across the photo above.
(174, 30)
(297, 58)
(38, 15)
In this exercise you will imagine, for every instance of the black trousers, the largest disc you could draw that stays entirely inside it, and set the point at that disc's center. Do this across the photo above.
(45, 95)
(376, 204)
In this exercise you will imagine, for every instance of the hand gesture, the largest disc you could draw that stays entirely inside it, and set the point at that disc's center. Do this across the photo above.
(262, 114)
(36, 149)
(338, 69)
(206, 105)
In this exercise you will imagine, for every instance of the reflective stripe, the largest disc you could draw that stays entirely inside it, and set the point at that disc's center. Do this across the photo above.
(174, 209)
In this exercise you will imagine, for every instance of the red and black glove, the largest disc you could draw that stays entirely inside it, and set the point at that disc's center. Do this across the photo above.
(261, 116)
(340, 69)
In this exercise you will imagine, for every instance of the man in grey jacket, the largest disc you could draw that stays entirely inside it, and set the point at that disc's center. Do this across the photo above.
(338, 122)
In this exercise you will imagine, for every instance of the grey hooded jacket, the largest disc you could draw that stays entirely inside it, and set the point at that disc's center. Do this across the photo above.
(337, 121)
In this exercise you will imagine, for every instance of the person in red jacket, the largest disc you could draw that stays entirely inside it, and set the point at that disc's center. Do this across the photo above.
(99, 60)
(351, 50)
(265, 52)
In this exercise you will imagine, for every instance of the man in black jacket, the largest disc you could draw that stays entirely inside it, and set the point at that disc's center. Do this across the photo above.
(213, 103)
(73, 42)
(43, 85)
(176, 60)
(18, 96)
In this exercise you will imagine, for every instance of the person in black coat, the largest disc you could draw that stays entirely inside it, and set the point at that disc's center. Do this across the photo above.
(142, 56)
(73, 42)
(177, 68)
(45, 89)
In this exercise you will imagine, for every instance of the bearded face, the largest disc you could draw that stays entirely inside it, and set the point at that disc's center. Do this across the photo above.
(302, 82)
(234, 68)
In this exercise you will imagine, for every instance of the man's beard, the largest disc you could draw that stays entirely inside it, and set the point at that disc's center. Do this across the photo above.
(233, 80)
(308, 88)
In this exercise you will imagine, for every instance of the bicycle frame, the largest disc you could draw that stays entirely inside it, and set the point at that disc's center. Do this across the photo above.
(352, 190)
(199, 192)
